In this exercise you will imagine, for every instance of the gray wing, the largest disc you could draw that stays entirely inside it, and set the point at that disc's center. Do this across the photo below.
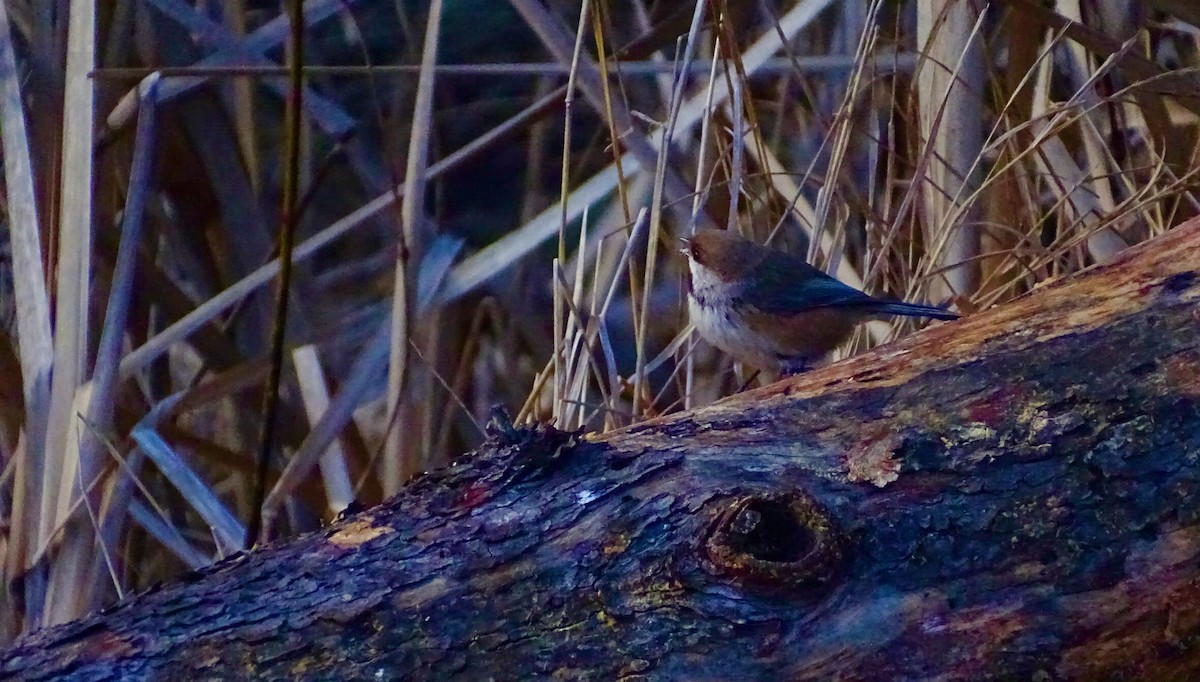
(785, 285)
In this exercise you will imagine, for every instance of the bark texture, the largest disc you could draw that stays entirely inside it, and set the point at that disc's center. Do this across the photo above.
(1014, 495)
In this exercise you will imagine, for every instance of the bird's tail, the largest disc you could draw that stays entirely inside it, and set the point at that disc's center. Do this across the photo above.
(911, 310)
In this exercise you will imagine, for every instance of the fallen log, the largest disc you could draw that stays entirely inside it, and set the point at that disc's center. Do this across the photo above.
(1014, 495)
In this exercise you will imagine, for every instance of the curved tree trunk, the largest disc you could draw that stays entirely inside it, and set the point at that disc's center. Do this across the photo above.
(1013, 495)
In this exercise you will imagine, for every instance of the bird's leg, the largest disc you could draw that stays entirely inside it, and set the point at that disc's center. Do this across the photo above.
(749, 381)
(790, 367)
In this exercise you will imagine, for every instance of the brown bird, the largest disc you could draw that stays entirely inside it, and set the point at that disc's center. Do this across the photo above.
(773, 310)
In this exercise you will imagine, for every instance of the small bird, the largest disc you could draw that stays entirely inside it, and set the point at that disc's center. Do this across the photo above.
(773, 310)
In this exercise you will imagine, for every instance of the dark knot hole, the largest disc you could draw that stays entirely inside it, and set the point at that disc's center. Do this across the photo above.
(775, 541)
(768, 530)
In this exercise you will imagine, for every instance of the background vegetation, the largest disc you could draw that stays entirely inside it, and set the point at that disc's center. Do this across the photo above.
(482, 218)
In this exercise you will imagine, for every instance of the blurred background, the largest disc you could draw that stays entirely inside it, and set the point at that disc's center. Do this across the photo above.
(488, 199)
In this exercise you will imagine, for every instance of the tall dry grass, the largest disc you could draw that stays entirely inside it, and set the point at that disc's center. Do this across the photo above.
(486, 197)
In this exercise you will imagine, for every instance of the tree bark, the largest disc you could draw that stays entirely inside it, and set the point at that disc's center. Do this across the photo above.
(1014, 495)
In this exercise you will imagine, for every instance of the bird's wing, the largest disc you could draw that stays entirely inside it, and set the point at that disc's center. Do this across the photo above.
(786, 284)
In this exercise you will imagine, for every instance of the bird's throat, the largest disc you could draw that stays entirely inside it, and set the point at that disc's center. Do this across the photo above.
(708, 289)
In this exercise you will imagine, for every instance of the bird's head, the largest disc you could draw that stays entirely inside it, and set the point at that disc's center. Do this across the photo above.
(721, 255)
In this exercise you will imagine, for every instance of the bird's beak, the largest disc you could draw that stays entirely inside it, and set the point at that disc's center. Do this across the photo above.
(686, 249)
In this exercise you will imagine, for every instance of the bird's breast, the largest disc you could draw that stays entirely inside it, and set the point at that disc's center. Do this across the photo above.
(764, 339)
(722, 325)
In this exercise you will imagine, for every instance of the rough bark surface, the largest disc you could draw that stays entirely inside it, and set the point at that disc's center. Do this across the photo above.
(1014, 495)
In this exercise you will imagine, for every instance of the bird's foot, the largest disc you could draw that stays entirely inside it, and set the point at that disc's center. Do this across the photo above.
(793, 366)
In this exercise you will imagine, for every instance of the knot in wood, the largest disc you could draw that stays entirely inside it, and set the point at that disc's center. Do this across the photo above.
(777, 541)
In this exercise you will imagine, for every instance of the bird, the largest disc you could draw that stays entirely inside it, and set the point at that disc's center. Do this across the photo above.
(772, 310)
